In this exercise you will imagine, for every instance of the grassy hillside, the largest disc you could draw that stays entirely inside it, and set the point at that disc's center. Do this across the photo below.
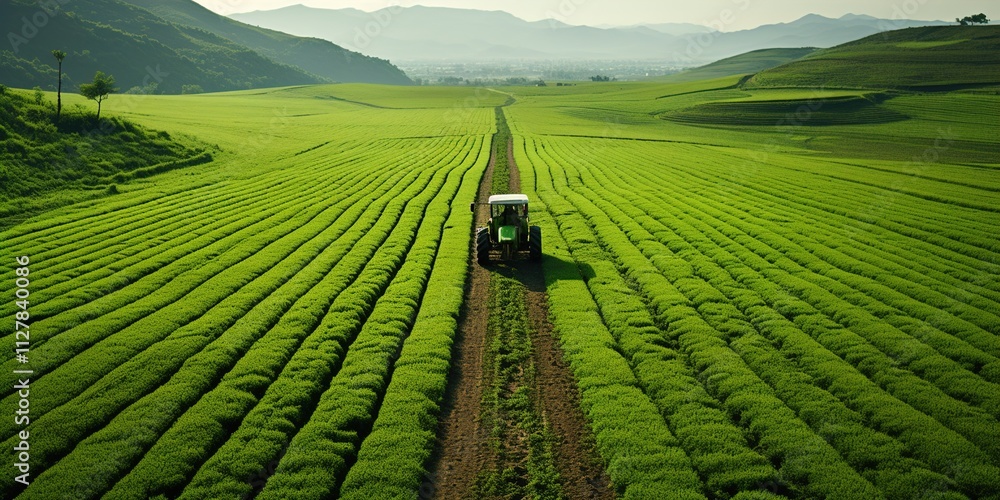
(743, 64)
(38, 156)
(940, 57)
(316, 56)
(139, 47)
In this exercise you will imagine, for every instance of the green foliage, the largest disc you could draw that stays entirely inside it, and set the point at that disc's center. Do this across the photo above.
(173, 44)
(751, 312)
(42, 157)
(974, 19)
(743, 64)
(253, 322)
(99, 90)
(509, 410)
(946, 57)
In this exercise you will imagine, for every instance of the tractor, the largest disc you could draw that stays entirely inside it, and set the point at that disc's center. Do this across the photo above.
(508, 231)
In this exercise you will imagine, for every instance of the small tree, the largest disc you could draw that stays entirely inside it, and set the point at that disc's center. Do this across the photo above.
(976, 19)
(99, 89)
(59, 55)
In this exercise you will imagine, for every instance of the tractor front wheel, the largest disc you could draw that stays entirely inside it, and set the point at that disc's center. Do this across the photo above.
(535, 243)
(483, 246)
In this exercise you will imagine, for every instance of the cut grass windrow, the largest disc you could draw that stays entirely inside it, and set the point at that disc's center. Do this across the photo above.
(122, 386)
(390, 462)
(175, 273)
(319, 454)
(229, 272)
(971, 477)
(204, 368)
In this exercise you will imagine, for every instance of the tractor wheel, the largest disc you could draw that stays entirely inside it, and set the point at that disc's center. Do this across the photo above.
(535, 243)
(483, 246)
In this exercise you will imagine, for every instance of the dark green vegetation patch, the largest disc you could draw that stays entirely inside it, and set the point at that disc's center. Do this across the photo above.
(38, 155)
(845, 110)
(930, 58)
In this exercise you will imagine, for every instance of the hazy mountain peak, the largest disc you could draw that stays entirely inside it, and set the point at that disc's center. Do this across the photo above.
(422, 33)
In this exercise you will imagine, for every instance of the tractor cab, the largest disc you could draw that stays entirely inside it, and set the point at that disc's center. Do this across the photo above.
(508, 231)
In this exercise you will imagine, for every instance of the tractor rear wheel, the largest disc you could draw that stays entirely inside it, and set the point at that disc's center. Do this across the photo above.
(483, 246)
(535, 243)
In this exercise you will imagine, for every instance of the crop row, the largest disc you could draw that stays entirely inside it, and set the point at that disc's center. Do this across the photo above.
(98, 249)
(856, 310)
(155, 268)
(718, 449)
(107, 395)
(881, 459)
(167, 303)
(947, 230)
(958, 327)
(235, 323)
(105, 243)
(390, 462)
(643, 457)
(319, 455)
(805, 460)
(661, 252)
(762, 237)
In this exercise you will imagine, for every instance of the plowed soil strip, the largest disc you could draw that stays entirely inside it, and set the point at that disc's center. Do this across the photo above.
(464, 450)
(583, 475)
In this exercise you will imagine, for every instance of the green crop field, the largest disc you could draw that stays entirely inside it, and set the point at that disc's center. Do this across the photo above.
(761, 293)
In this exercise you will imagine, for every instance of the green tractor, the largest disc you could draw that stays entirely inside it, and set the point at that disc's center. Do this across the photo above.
(508, 231)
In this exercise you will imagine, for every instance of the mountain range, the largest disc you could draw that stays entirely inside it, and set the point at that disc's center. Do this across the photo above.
(447, 34)
(176, 44)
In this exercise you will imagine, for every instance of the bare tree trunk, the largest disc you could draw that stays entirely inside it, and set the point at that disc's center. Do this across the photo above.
(59, 94)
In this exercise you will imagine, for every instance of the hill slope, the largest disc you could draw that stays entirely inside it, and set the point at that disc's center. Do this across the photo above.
(938, 57)
(319, 57)
(743, 64)
(137, 47)
(435, 33)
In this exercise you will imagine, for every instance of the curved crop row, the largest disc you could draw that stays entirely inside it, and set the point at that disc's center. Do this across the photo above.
(390, 461)
(972, 475)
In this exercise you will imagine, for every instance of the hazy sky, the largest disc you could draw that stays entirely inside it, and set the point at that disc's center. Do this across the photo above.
(727, 15)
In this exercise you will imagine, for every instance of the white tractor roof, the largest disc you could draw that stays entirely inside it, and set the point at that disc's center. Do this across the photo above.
(508, 199)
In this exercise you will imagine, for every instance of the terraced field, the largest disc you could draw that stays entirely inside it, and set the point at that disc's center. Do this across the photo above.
(750, 309)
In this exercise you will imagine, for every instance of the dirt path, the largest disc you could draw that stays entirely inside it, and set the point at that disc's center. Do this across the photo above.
(583, 476)
(464, 450)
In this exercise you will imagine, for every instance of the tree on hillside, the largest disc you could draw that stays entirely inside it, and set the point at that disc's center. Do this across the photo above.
(99, 89)
(976, 19)
(59, 55)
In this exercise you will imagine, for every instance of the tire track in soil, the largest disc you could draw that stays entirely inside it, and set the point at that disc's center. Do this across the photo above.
(581, 471)
(463, 441)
